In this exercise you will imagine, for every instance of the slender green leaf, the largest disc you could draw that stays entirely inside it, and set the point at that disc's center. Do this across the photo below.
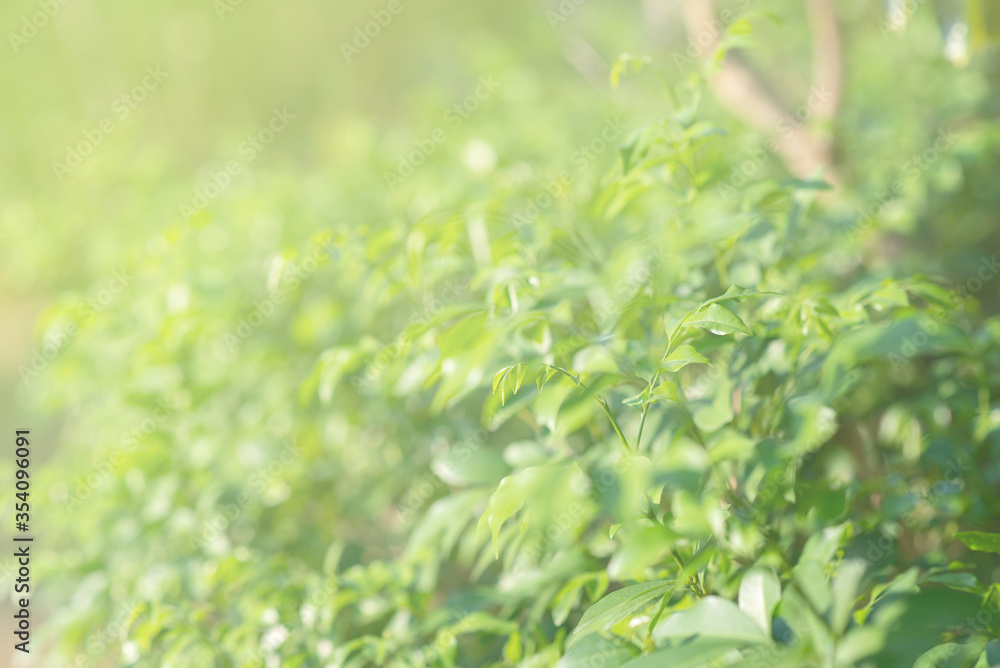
(980, 541)
(618, 605)
(682, 356)
(760, 591)
(711, 617)
(718, 320)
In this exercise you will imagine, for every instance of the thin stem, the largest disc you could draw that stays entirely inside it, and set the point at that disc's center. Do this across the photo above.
(692, 580)
(614, 423)
(720, 267)
(664, 602)
(651, 512)
(652, 384)
(600, 400)
(642, 423)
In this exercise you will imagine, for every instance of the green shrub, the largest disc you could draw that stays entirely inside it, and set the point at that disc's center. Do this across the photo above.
(581, 420)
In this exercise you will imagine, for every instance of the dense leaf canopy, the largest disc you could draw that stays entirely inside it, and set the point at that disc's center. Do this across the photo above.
(536, 355)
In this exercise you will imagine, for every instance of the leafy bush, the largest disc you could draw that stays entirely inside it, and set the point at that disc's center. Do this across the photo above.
(580, 420)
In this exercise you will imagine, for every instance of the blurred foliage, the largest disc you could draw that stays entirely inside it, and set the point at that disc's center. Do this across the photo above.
(567, 392)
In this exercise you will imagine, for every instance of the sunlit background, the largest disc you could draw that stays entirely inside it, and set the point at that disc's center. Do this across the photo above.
(136, 208)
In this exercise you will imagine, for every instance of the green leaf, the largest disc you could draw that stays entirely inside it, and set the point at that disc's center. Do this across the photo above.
(520, 372)
(543, 376)
(948, 655)
(594, 650)
(682, 356)
(914, 622)
(958, 581)
(811, 580)
(992, 654)
(718, 320)
(464, 335)
(858, 643)
(667, 389)
(513, 650)
(625, 62)
(872, 342)
(639, 401)
(741, 27)
(711, 617)
(737, 294)
(760, 591)
(631, 148)
(618, 605)
(980, 541)
(481, 622)
(638, 549)
(689, 654)
(500, 375)
(845, 589)
(984, 21)
(932, 292)
(507, 500)
(569, 597)
(712, 417)
(689, 516)
(821, 547)
(500, 380)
